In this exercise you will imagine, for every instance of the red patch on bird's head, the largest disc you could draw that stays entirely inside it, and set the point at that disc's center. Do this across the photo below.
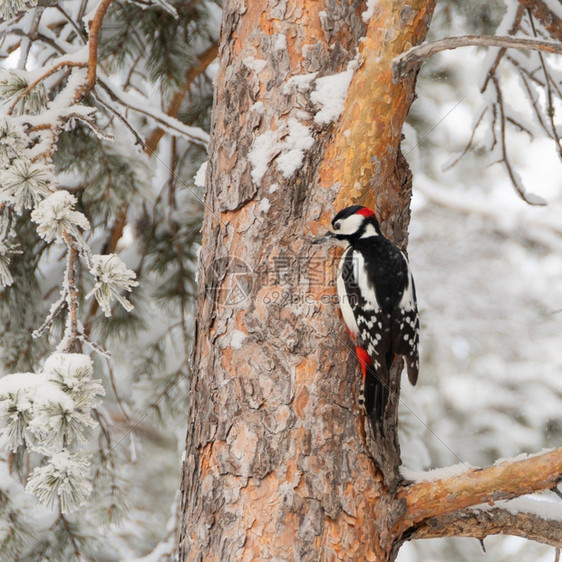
(366, 212)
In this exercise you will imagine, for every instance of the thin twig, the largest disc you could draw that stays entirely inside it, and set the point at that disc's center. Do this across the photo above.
(520, 126)
(469, 143)
(72, 334)
(406, 62)
(550, 108)
(514, 28)
(95, 346)
(123, 119)
(49, 72)
(505, 158)
(116, 392)
(531, 95)
(71, 536)
(79, 31)
(56, 309)
(194, 134)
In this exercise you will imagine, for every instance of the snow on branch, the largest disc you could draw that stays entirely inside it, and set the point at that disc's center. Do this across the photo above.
(162, 119)
(50, 412)
(504, 480)
(408, 61)
(13, 8)
(55, 68)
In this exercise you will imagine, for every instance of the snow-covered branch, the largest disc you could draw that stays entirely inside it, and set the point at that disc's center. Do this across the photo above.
(162, 119)
(502, 481)
(409, 61)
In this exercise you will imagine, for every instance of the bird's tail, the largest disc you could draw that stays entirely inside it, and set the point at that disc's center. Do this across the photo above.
(374, 396)
(374, 391)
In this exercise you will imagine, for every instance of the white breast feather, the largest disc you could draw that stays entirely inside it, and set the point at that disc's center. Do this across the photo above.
(360, 275)
(407, 300)
(345, 307)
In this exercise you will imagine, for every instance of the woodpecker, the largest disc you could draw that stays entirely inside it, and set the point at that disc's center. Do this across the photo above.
(377, 299)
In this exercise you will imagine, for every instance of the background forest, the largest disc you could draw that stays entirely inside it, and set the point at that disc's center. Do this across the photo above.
(487, 267)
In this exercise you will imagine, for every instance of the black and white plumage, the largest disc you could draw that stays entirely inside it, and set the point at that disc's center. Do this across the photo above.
(378, 303)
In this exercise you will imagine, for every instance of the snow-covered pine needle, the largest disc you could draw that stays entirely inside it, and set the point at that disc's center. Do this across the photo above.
(24, 184)
(112, 277)
(13, 83)
(56, 216)
(12, 143)
(6, 249)
(64, 477)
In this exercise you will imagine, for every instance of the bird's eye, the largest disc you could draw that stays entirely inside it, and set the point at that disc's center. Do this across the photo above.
(337, 226)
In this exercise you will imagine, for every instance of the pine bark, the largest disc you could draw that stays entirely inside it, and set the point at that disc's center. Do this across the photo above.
(277, 464)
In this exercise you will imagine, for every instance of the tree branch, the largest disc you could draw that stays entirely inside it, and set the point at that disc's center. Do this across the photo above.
(52, 70)
(515, 26)
(502, 481)
(408, 61)
(479, 524)
(40, 4)
(549, 20)
(205, 59)
(72, 331)
(95, 29)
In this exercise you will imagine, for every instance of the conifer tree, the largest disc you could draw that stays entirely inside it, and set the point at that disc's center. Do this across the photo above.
(104, 115)
(105, 118)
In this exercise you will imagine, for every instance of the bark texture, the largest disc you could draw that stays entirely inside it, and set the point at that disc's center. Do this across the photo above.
(277, 466)
(278, 463)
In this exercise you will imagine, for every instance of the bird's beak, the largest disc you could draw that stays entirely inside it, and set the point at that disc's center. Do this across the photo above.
(322, 239)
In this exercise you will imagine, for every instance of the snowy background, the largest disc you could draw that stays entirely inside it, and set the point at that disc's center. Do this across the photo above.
(488, 270)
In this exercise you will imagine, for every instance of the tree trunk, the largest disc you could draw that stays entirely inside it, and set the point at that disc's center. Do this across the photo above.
(278, 465)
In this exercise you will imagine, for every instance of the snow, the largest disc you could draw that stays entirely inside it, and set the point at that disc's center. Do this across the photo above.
(17, 382)
(265, 205)
(457, 469)
(539, 505)
(535, 199)
(71, 367)
(55, 216)
(298, 140)
(199, 178)
(369, 11)
(435, 474)
(300, 82)
(258, 107)
(237, 338)
(65, 476)
(549, 510)
(330, 94)
(288, 153)
(487, 269)
(48, 409)
(280, 42)
(112, 277)
(257, 65)
(261, 153)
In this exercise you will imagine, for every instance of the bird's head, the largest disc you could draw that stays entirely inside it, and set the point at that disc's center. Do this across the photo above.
(352, 223)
